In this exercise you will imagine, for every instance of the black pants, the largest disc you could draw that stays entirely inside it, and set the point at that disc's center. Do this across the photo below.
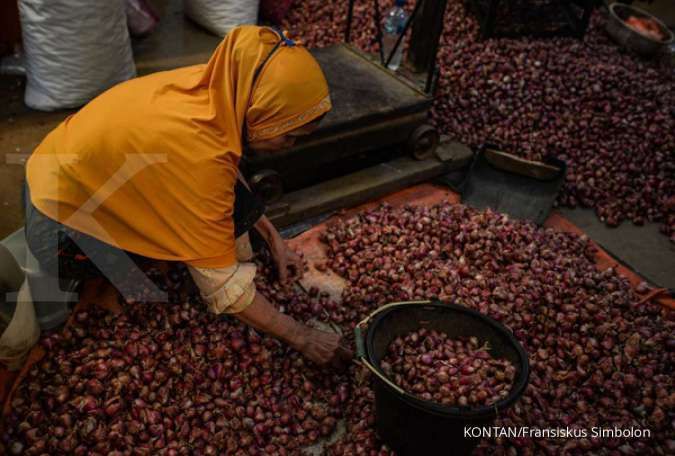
(60, 250)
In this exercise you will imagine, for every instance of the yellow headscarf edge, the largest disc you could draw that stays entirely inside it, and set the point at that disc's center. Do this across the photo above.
(293, 122)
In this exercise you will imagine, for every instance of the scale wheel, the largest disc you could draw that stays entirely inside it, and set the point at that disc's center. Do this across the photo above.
(267, 185)
(422, 142)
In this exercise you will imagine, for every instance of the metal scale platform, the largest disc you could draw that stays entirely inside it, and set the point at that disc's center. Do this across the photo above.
(375, 140)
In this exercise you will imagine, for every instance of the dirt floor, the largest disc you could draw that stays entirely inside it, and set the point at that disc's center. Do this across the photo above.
(21, 129)
(179, 42)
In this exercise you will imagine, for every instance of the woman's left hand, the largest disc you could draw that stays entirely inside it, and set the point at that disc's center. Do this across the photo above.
(289, 264)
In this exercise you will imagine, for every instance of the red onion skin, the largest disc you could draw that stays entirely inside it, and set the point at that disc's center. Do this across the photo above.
(541, 284)
(419, 363)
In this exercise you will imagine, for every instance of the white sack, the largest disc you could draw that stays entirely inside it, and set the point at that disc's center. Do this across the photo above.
(220, 16)
(74, 50)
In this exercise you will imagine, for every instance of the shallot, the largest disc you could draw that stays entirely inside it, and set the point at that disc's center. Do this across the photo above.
(171, 378)
(459, 372)
(598, 357)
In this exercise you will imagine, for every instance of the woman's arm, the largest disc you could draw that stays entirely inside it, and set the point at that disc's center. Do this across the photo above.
(289, 263)
(232, 290)
(319, 346)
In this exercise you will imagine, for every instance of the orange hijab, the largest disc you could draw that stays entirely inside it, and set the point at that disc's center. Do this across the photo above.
(150, 165)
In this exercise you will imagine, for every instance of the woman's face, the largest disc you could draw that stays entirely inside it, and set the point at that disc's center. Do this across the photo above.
(283, 141)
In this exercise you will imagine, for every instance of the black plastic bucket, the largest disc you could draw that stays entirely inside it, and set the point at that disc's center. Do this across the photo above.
(412, 426)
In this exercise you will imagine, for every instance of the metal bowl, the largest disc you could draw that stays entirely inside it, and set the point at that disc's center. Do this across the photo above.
(630, 38)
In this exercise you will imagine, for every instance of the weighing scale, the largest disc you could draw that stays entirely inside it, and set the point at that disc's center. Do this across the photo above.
(376, 139)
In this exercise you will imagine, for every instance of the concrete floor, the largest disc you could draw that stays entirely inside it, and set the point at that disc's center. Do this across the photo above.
(176, 42)
(179, 42)
(642, 248)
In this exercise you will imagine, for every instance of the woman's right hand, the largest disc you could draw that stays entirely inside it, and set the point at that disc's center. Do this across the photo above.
(321, 347)
(324, 348)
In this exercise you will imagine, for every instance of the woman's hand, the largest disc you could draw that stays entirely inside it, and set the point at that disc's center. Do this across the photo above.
(323, 348)
(289, 264)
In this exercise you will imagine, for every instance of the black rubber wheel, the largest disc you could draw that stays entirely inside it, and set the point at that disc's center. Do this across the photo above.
(267, 185)
(422, 142)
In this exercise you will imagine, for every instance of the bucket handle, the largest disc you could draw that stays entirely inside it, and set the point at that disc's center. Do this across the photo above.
(361, 347)
(387, 306)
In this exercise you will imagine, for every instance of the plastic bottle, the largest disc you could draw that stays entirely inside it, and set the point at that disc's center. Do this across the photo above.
(394, 21)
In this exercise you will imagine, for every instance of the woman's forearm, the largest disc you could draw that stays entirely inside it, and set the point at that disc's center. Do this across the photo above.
(267, 230)
(289, 264)
(321, 347)
(263, 316)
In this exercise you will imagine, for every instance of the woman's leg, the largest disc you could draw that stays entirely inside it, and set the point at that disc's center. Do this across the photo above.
(60, 251)
(71, 255)
(51, 243)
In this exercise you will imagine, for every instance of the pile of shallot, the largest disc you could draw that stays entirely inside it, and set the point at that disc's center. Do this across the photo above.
(450, 372)
(598, 357)
(606, 112)
(171, 378)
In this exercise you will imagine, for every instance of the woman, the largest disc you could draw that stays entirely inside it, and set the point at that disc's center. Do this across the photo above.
(149, 169)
